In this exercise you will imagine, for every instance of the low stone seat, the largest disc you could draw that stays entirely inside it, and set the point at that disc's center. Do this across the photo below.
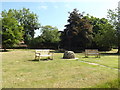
(69, 55)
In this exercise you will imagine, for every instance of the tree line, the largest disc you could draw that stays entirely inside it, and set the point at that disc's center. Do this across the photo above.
(81, 32)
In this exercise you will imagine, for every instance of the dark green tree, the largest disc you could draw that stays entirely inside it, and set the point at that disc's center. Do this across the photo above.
(37, 42)
(11, 30)
(103, 33)
(78, 32)
(105, 38)
(114, 19)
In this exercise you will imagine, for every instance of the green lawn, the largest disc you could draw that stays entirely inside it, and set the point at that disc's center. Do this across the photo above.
(21, 71)
(109, 59)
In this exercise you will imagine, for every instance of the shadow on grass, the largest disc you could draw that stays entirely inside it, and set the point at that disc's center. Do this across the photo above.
(107, 54)
(40, 60)
(4, 50)
(110, 53)
(91, 57)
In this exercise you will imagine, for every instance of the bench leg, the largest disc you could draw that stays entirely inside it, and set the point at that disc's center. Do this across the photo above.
(96, 56)
(52, 57)
(86, 56)
(99, 56)
(39, 58)
(48, 57)
(35, 57)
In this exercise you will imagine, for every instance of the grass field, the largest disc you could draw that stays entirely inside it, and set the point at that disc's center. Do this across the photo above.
(21, 71)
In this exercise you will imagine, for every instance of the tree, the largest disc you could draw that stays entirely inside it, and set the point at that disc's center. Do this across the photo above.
(28, 20)
(36, 42)
(49, 38)
(114, 19)
(50, 34)
(105, 38)
(11, 30)
(103, 33)
(78, 32)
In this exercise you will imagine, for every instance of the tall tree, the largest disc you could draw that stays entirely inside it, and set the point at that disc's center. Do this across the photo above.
(27, 19)
(103, 33)
(114, 18)
(11, 30)
(78, 31)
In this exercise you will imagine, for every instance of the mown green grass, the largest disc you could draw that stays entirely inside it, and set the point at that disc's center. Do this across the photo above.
(109, 58)
(21, 71)
(110, 84)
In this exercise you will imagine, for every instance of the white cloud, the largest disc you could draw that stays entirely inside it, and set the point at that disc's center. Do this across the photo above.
(67, 6)
(43, 7)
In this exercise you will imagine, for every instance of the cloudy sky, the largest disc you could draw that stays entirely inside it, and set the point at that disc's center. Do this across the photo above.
(55, 12)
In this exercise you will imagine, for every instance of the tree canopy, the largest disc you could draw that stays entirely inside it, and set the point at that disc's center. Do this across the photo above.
(103, 33)
(50, 34)
(28, 20)
(114, 19)
(78, 31)
(12, 31)
(49, 38)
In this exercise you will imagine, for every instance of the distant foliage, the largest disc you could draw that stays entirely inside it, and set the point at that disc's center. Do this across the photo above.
(114, 19)
(36, 42)
(48, 39)
(50, 34)
(103, 33)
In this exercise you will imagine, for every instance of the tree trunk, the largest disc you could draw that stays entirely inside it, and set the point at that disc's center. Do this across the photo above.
(5, 49)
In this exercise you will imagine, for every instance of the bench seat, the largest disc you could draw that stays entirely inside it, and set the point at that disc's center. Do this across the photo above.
(43, 53)
(92, 52)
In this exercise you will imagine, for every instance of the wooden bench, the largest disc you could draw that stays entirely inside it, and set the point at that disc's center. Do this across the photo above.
(92, 52)
(43, 53)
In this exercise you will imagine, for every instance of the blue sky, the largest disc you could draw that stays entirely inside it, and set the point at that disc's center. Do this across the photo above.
(55, 13)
